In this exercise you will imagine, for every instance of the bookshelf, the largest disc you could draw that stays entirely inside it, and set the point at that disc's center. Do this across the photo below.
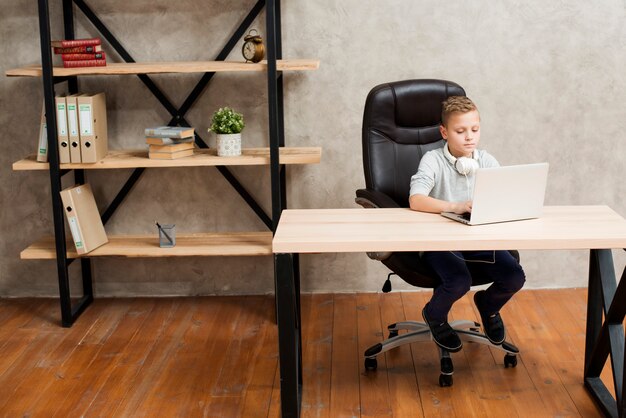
(135, 246)
(277, 156)
(134, 68)
(137, 158)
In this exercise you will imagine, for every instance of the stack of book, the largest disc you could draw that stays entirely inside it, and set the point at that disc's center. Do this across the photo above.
(80, 52)
(170, 142)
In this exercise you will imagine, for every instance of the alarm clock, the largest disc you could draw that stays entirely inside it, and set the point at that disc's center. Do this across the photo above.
(253, 49)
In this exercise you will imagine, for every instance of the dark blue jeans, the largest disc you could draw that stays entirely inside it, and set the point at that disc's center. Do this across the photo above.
(456, 272)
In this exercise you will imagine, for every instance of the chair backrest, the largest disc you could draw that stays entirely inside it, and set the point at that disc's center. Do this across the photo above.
(401, 123)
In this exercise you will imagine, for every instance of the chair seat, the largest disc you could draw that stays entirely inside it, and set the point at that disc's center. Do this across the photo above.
(411, 269)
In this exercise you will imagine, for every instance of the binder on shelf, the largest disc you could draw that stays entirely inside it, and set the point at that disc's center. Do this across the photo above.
(83, 218)
(42, 146)
(62, 136)
(92, 123)
(72, 128)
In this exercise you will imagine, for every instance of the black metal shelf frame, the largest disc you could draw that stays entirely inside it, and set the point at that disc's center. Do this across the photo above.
(69, 311)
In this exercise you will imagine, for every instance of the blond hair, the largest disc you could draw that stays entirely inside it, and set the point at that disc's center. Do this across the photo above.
(454, 104)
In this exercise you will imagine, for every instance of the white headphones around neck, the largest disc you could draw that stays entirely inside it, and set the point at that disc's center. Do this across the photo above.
(464, 165)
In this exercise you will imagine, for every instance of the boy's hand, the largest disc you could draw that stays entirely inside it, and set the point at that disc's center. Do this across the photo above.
(462, 207)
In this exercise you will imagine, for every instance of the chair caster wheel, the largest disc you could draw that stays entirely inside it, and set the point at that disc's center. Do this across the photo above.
(447, 368)
(445, 380)
(510, 360)
(371, 363)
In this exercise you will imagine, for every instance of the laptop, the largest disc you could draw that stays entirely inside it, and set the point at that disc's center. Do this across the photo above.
(503, 194)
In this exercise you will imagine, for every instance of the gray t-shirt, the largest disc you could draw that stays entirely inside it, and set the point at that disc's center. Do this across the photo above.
(437, 178)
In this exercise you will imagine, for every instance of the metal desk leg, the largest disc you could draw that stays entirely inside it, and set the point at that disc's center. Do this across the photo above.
(602, 339)
(289, 347)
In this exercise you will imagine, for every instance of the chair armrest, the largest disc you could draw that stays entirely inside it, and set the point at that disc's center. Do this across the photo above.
(373, 199)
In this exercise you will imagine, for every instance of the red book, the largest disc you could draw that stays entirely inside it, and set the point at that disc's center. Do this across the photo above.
(78, 57)
(79, 50)
(84, 63)
(70, 43)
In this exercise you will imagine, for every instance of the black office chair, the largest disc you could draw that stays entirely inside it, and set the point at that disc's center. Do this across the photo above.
(400, 124)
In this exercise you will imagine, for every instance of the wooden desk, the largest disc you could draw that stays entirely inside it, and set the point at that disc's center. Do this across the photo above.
(594, 228)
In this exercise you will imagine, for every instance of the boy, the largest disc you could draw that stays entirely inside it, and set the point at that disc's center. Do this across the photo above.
(443, 183)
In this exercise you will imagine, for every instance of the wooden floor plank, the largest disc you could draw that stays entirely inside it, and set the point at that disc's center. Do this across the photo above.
(540, 351)
(317, 339)
(23, 381)
(14, 313)
(37, 380)
(467, 399)
(566, 326)
(69, 374)
(15, 336)
(243, 349)
(28, 365)
(181, 386)
(46, 315)
(218, 356)
(403, 392)
(204, 363)
(436, 402)
(346, 358)
(274, 411)
(258, 396)
(191, 403)
(571, 375)
(523, 394)
(176, 389)
(556, 322)
(122, 379)
(160, 351)
(115, 346)
(373, 385)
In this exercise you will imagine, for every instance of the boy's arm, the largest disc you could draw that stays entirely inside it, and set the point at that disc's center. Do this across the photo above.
(425, 203)
(423, 182)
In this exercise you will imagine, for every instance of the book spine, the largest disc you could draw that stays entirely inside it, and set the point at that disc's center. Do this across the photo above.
(83, 56)
(70, 43)
(170, 155)
(171, 148)
(84, 63)
(167, 140)
(164, 133)
(77, 49)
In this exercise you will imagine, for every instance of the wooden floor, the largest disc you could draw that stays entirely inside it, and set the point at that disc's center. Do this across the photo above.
(217, 357)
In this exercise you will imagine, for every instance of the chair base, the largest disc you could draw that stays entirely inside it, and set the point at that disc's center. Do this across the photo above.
(468, 331)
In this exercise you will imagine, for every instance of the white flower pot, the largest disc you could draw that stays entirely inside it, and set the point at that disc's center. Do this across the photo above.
(228, 145)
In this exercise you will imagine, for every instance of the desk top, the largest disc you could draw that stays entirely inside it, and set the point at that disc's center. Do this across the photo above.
(363, 230)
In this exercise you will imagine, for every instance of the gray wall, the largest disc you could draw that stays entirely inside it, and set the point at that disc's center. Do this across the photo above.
(548, 78)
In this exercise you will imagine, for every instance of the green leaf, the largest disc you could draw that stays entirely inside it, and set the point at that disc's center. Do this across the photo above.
(226, 121)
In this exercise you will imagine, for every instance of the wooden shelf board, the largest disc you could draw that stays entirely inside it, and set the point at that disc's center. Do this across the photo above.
(115, 68)
(200, 244)
(201, 157)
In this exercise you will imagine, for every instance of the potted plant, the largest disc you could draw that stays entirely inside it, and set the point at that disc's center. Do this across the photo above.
(227, 124)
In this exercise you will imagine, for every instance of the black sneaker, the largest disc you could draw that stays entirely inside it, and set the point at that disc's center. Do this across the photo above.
(443, 334)
(492, 324)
